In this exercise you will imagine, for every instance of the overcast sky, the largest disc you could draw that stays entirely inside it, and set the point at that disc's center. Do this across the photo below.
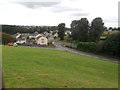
(53, 12)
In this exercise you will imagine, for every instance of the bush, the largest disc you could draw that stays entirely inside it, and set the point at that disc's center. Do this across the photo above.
(87, 46)
(100, 45)
(112, 44)
(69, 46)
(68, 39)
(7, 38)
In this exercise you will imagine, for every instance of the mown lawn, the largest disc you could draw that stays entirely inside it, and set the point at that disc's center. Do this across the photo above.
(41, 68)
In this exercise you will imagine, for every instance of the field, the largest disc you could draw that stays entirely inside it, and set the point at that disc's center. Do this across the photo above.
(106, 33)
(41, 68)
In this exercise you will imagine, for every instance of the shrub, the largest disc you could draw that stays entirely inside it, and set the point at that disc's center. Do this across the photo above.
(68, 39)
(112, 44)
(100, 45)
(87, 46)
(6, 38)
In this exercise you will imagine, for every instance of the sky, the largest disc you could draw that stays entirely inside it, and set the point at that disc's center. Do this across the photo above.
(53, 12)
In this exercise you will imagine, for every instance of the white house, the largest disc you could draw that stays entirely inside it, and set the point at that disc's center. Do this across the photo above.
(50, 38)
(67, 33)
(34, 35)
(55, 35)
(17, 35)
(42, 41)
(46, 34)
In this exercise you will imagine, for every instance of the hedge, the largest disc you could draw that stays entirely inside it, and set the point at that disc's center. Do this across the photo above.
(87, 46)
(112, 45)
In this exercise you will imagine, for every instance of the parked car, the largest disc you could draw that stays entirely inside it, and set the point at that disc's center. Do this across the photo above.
(10, 44)
(15, 44)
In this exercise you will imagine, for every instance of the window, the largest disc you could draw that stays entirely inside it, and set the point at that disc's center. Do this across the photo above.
(42, 40)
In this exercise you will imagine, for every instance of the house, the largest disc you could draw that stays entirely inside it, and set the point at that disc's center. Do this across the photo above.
(17, 35)
(33, 35)
(31, 39)
(51, 32)
(38, 36)
(67, 33)
(55, 35)
(42, 41)
(24, 35)
(46, 34)
(50, 38)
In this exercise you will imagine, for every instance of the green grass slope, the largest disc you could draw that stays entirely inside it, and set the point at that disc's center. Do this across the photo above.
(41, 68)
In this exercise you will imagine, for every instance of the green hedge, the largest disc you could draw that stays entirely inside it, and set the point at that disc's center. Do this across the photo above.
(87, 46)
(112, 45)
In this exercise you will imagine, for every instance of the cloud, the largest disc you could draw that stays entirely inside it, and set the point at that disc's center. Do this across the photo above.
(111, 19)
(35, 5)
(79, 14)
(119, 13)
(64, 9)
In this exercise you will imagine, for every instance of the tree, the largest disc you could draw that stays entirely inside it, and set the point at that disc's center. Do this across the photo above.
(112, 44)
(97, 28)
(61, 31)
(74, 30)
(83, 27)
(110, 28)
(80, 29)
(118, 28)
(6, 38)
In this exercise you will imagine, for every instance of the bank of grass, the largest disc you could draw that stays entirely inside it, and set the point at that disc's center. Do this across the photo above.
(41, 68)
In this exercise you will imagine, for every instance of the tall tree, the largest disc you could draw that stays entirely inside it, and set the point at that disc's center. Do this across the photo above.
(74, 30)
(80, 29)
(97, 28)
(61, 30)
(83, 27)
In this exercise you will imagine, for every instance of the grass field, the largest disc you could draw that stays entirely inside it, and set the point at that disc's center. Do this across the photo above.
(41, 68)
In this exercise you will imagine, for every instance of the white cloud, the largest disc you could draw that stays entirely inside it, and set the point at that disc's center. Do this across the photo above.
(57, 11)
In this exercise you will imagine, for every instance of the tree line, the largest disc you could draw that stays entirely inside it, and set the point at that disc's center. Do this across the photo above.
(83, 31)
(13, 29)
(87, 36)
